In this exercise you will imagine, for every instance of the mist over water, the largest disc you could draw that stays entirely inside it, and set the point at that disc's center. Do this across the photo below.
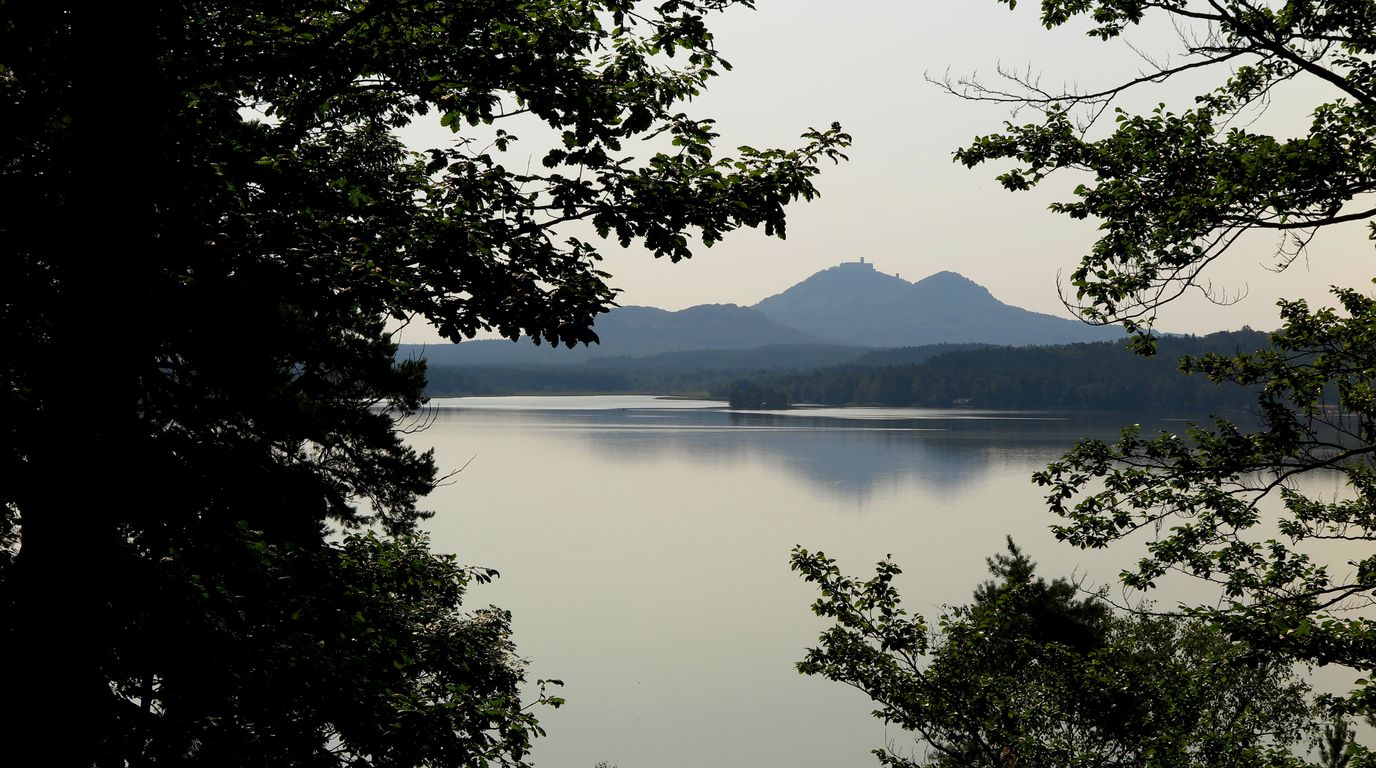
(644, 544)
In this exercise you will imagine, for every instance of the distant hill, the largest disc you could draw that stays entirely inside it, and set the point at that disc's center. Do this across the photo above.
(685, 373)
(1095, 376)
(846, 306)
(689, 373)
(912, 355)
(853, 303)
(629, 332)
(773, 357)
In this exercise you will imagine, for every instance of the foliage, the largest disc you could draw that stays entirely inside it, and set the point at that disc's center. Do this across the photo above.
(1336, 747)
(1031, 673)
(214, 193)
(1206, 496)
(401, 677)
(1172, 192)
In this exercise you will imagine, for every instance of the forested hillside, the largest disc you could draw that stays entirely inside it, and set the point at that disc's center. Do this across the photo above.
(686, 372)
(1098, 376)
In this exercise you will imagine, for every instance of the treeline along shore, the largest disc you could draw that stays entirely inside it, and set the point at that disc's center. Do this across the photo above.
(1092, 376)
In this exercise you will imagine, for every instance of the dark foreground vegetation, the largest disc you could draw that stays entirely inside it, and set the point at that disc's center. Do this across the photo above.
(1041, 673)
(1169, 193)
(212, 553)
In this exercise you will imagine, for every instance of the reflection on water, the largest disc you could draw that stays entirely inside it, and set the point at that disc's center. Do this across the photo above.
(644, 550)
(845, 452)
(544, 403)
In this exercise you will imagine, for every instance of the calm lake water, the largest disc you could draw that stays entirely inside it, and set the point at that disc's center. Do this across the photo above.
(643, 546)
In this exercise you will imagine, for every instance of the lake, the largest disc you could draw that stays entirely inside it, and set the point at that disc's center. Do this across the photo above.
(643, 545)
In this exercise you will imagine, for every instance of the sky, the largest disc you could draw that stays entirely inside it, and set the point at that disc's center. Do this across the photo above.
(901, 202)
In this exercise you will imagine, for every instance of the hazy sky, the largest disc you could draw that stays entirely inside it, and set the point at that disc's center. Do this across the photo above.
(901, 202)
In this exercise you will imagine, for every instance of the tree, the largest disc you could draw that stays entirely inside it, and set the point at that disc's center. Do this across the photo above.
(1336, 747)
(1172, 192)
(1032, 673)
(747, 395)
(402, 676)
(209, 224)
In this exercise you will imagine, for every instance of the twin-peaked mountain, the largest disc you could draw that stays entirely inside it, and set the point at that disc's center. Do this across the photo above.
(853, 303)
(850, 305)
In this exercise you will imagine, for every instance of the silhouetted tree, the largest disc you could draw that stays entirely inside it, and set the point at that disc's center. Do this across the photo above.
(209, 222)
(1335, 744)
(1033, 674)
(1173, 191)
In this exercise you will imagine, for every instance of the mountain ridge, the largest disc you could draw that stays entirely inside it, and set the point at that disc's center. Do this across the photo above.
(854, 303)
(851, 304)
(630, 331)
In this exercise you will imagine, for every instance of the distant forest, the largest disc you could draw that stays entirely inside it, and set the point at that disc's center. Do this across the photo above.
(685, 373)
(1096, 376)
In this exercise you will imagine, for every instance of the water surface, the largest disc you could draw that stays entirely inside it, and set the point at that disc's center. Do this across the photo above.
(644, 544)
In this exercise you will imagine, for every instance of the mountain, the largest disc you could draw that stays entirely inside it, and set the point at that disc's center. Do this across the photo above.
(773, 357)
(854, 303)
(850, 305)
(630, 332)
